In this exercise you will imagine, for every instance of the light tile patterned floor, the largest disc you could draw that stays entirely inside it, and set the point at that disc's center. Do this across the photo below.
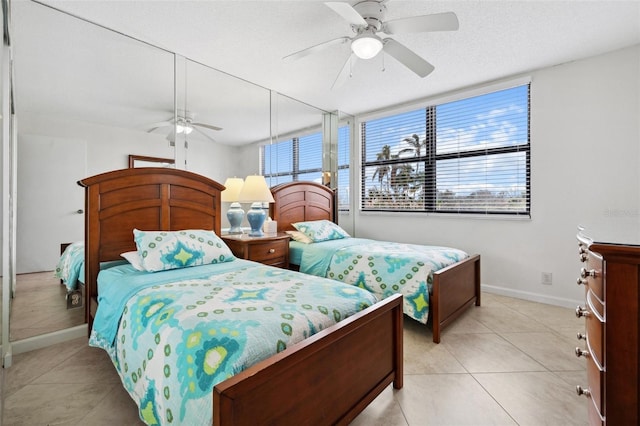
(508, 362)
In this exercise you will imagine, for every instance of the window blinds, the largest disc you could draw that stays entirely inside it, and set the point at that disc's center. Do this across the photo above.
(467, 156)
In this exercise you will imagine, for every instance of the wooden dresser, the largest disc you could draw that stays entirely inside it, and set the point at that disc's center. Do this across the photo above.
(611, 277)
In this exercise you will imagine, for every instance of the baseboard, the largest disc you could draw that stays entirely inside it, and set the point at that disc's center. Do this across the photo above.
(532, 297)
(44, 340)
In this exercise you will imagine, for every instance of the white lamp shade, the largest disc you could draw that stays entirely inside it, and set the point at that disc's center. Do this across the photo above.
(255, 190)
(233, 186)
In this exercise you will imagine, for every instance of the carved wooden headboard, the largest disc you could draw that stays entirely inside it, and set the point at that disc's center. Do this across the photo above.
(302, 201)
(149, 199)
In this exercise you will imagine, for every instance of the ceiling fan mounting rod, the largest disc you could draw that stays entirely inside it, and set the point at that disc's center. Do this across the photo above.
(372, 12)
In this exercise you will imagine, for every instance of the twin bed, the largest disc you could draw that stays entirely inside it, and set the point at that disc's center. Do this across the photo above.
(438, 283)
(228, 342)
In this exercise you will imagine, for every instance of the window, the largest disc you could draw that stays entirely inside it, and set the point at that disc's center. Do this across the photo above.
(467, 156)
(300, 159)
(295, 159)
(344, 146)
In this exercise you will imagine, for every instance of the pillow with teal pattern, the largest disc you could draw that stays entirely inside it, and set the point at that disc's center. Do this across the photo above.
(163, 250)
(321, 230)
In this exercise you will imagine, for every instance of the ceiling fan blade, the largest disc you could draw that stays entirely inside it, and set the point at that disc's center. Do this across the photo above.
(207, 126)
(313, 49)
(155, 126)
(344, 73)
(407, 57)
(347, 12)
(447, 21)
(204, 134)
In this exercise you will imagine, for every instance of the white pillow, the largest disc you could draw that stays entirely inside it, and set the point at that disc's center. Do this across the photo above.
(299, 236)
(163, 250)
(134, 259)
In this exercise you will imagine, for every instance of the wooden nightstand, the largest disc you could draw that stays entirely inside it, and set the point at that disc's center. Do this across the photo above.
(270, 250)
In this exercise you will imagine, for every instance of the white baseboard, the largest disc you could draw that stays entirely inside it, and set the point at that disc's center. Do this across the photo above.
(532, 297)
(42, 341)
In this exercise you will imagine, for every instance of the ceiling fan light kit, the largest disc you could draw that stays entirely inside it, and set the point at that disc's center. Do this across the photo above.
(367, 20)
(366, 45)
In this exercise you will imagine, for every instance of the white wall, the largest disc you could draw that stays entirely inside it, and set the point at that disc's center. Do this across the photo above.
(585, 154)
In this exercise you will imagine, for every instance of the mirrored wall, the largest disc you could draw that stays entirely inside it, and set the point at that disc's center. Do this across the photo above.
(86, 99)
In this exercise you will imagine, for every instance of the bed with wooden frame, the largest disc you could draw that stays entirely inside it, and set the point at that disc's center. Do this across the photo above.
(455, 287)
(315, 381)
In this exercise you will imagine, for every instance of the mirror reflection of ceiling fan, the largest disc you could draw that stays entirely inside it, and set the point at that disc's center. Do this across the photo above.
(184, 124)
(367, 22)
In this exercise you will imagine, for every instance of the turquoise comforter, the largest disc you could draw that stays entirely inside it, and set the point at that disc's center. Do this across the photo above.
(70, 267)
(173, 335)
(383, 268)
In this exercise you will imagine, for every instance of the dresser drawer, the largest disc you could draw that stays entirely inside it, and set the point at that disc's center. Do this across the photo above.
(595, 378)
(594, 415)
(269, 252)
(595, 328)
(592, 275)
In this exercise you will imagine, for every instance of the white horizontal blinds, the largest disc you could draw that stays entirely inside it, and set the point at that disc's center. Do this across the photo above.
(309, 166)
(467, 156)
(295, 159)
(392, 179)
(344, 147)
(482, 154)
(277, 162)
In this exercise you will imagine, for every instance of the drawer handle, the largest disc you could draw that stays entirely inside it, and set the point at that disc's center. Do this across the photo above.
(583, 257)
(581, 312)
(582, 391)
(581, 336)
(272, 251)
(581, 352)
(582, 281)
(584, 273)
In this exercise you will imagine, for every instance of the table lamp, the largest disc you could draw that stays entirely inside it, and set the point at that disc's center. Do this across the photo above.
(235, 214)
(256, 191)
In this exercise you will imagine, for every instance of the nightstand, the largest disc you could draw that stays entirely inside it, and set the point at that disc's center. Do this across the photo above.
(271, 249)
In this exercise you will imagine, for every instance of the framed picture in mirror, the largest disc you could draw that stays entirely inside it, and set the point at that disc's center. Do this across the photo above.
(144, 161)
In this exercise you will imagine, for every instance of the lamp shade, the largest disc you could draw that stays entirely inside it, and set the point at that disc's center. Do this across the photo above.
(255, 190)
(233, 186)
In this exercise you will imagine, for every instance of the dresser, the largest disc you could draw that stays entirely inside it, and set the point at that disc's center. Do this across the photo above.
(270, 249)
(610, 275)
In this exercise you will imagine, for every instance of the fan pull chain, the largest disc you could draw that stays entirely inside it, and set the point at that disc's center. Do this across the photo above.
(383, 67)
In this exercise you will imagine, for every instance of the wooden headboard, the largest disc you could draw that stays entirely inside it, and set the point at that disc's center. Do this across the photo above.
(149, 198)
(302, 201)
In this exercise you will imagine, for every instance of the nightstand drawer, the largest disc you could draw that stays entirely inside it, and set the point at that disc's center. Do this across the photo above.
(269, 251)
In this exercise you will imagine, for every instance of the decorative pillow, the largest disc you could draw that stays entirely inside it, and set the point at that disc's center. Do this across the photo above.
(134, 259)
(321, 230)
(299, 236)
(162, 250)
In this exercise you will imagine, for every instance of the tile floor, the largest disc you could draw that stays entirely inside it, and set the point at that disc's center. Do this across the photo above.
(40, 306)
(508, 362)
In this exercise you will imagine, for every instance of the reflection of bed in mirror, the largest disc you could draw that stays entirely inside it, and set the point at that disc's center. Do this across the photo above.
(454, 275)
(352, 361)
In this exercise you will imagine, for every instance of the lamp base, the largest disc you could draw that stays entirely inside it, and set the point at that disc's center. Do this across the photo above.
(256, 217)
(235, 214)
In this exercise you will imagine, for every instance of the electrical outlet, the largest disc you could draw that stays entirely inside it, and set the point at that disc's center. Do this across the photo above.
(546, 278)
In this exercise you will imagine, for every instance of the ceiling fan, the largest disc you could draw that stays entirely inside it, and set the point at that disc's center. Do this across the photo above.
(184, 124)
(367, 22)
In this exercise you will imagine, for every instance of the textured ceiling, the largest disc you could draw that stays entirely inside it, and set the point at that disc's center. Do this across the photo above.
(248, 39)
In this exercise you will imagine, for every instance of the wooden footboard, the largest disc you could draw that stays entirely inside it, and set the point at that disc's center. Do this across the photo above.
(326, 379)
(455, 288)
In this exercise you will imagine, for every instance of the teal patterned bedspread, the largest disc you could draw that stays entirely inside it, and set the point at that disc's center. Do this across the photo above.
(70, 267)
(383, 268)
(173, 335)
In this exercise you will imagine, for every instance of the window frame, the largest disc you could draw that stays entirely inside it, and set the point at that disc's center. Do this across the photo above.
(430, 158)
